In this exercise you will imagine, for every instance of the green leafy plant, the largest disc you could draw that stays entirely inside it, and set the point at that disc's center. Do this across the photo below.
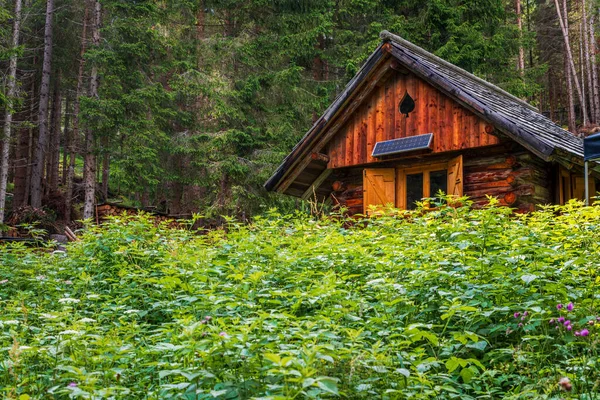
(444, 302)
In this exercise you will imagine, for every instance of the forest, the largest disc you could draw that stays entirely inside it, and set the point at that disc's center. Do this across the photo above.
(188, 106)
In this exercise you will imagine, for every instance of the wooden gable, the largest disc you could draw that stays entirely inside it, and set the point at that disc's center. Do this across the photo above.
(378, 119)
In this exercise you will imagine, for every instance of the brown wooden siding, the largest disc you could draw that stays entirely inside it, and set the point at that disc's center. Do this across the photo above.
(378, 119)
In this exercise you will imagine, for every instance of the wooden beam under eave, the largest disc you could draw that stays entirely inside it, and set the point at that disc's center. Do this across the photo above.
(316, 184)
(320, 157)
(338, 122)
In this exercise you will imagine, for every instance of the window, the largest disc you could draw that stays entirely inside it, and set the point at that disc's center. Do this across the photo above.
(403, 187)
(425, 183)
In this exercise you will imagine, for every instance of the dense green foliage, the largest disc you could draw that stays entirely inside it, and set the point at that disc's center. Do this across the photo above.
(412, 306)
(200, 100)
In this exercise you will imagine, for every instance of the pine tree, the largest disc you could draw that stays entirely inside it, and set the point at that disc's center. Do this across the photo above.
(8, 115)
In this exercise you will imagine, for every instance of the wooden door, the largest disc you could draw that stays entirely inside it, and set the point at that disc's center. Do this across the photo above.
(379, 185)
(455, 176)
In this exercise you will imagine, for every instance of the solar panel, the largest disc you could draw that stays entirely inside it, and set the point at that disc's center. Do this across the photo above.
(402, 145)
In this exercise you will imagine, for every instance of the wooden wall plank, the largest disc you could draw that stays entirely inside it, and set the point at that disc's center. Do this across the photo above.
(432, 112)
(483, 137)
(349, 142)
(456, 126)
(360, 145)
(370, 127)
(389, 119)
(379, 115)
(420, 113)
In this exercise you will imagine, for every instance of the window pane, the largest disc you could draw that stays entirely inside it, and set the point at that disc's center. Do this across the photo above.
(438, 180)
(414, 190)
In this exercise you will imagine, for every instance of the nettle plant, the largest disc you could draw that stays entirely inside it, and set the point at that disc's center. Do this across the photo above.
(437, 303)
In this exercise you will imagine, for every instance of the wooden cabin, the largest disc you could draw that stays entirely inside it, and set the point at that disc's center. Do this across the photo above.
(410, 124)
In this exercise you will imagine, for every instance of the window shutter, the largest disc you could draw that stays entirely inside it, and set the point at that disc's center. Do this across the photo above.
(455, 176)
(379, 185)
(579, 187)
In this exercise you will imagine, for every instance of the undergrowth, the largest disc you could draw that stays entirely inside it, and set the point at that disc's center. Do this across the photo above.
(452, 303)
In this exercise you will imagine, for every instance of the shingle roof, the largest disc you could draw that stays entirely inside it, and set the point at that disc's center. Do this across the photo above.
(511, 115)
(517, 118)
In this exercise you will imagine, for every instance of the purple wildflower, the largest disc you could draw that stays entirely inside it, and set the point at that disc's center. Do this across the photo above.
(565, 384)
(577, 333)
(224, 334)
(561, 319)
(559, 306)
(73, 384)
(567, 322)
(208, 318)
(525, 313)
(517, 314)
(569, 327)
(523, 318)
(551, 321)
(570, 306)
(520, 325)
(584, 332)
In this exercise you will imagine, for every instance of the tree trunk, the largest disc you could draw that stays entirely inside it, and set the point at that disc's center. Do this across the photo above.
(10, 94)
(90, 159)
(521, 60)
(594, 68)
(564, 26)
(54, 143)
(588, 62)
(584, 105)
(38, 165)
(551, 95)
(65, 140)
(105, 167)
(76, 106)
(571, 103)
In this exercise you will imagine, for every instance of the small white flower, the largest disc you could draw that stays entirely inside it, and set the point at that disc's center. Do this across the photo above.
(48, 316)
(2, 282)
(130, 311)
(70, 332)
(69, 300)
(11, 322)
(86, 320)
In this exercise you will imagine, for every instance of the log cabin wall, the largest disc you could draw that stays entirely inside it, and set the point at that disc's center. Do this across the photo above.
(379, 119)
(518, 179)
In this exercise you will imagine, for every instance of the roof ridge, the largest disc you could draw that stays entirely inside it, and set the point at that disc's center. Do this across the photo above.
(388, 36)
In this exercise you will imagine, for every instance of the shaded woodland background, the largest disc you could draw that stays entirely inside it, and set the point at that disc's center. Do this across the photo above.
(189, 105)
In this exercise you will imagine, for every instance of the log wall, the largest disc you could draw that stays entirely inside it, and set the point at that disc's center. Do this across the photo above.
(519, 180)
(378, 119)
